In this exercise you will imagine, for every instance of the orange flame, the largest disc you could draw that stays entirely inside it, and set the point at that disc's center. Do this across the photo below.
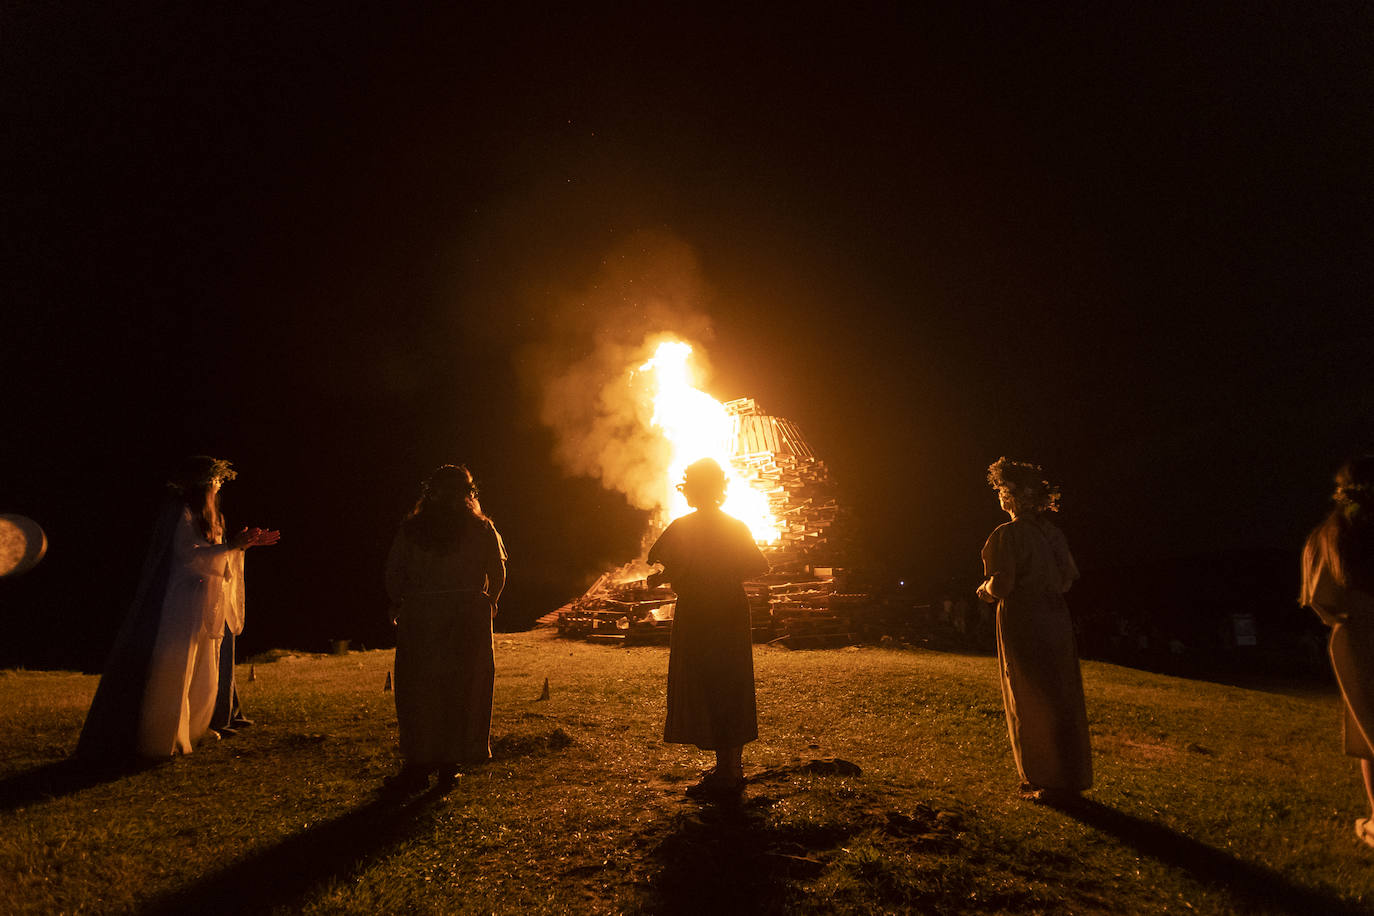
(696, 425)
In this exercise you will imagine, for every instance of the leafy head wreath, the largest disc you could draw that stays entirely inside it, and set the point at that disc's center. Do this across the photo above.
(200, 471)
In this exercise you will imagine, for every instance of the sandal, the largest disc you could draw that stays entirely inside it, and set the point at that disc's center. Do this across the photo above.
(1364, 829)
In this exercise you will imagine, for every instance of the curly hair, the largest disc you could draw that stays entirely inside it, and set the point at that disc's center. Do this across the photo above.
(703, 483)
(1026, 483)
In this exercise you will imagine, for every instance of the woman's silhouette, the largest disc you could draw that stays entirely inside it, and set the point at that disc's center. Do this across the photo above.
(1028, 568)
(706, 555)
(1338, 583)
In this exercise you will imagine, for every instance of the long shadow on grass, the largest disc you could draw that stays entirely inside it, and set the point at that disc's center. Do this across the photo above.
(1255, 885)
(286, 874)
(730, 857)
(59, 778)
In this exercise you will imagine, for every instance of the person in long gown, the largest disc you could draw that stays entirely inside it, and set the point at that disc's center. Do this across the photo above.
(444, 576)
(1028, 568)
(1338, 583)
(158, 690)
(707, 555)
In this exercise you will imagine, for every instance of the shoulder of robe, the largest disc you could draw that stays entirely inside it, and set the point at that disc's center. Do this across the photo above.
(998, 534)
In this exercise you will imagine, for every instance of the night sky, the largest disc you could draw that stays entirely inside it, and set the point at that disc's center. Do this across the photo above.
(341, 247)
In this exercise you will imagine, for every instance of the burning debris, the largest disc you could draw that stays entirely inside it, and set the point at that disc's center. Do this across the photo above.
(798, 603)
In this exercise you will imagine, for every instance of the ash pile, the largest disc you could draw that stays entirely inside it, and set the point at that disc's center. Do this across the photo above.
(803, 602)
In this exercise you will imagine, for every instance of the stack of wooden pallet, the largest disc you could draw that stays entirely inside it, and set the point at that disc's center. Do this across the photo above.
(772, 454)
(624, 613)
(803, 612)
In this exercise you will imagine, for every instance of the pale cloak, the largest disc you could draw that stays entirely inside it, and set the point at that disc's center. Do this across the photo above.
(1029, 567)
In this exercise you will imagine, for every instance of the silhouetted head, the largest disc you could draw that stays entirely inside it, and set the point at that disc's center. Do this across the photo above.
(703, 484)
(449, 483)
(447, 497)
(1022, 487)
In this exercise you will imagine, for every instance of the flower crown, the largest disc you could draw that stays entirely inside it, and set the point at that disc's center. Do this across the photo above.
(200, 471)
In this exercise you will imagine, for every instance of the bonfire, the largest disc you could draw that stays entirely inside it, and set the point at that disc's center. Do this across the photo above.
(776, 485)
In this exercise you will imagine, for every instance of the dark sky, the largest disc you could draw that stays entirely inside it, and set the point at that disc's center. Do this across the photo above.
(338, 248)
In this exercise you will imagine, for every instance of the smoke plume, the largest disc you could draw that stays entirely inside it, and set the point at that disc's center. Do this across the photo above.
(583, 374)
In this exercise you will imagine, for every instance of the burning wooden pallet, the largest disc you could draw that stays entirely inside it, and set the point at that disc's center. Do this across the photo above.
(796, 604)
(798, 611)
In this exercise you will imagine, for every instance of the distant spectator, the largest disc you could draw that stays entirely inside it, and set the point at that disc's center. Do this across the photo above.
(158, 690)
(1338, 583)
(707, 555)
(444, 575)
(1028, 568)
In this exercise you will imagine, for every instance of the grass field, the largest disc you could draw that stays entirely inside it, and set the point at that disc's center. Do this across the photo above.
(1209, 798)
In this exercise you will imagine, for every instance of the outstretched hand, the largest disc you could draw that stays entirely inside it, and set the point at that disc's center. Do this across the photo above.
(255, 537)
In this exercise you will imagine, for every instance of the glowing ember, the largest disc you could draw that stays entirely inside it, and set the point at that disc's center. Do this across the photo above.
(696, 426)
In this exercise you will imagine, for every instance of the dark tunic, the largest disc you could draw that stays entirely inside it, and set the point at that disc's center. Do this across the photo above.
(445, 668)
(1029, 568)
(111, 730)
(706, 556)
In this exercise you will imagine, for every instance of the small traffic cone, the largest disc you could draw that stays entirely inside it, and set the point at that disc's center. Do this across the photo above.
(545, 694)
(387, 688)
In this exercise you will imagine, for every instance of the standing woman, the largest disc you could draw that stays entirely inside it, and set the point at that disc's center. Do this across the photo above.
(1028, 568)
(158, 690)
(1338, 583)
(707, 555)
(444, 575)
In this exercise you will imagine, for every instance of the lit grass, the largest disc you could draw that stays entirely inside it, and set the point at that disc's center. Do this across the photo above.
(1209, 799)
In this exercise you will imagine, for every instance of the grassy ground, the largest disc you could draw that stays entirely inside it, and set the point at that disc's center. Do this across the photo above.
(1209, 799)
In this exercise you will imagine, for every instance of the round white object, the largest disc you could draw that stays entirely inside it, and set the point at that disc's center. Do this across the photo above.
(22, 544)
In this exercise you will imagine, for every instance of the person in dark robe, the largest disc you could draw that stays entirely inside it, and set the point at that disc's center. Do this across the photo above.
(1029, 568)
(706, 556)
(1338, 583)
(157, 692)
(444, 575)
(228, 716)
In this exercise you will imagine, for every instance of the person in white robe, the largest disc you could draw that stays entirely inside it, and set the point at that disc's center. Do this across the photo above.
(158, 691)
(1028, 568)
(1338, 583)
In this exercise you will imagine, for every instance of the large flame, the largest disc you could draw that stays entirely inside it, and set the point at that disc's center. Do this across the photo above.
(696, 426)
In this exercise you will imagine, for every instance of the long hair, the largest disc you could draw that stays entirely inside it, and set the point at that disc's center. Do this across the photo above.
(448, 498)
(191, 484)
(1344, 541)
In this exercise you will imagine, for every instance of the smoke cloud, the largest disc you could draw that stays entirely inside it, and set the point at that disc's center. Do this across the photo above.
(583, 374)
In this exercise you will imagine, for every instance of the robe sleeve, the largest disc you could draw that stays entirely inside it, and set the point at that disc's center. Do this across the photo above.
(234, 593)
(664, 551)
(197, 555)
(210, 567)
(752, 562)
(496, 564)
(1063, 559)
(999, 564)
(396, 565)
